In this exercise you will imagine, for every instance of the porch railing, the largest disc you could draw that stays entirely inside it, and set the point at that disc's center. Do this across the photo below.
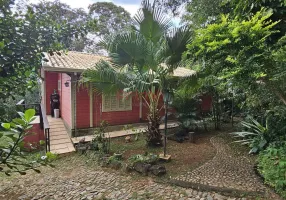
(41, 112)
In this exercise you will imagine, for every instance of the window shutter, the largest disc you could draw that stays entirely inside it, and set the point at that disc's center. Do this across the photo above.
(113, 102)
(128, 103)
(105, 103)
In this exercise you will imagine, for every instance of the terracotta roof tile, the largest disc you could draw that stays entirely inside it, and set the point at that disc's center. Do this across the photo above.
(73, 61)
(77, 61)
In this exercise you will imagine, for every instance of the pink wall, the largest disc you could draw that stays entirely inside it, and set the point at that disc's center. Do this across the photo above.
(35, 135)
(51, 79)
(65, 95)
(82, 108)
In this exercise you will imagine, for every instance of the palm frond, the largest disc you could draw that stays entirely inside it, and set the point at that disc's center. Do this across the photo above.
(176, 42)
(105, 77)
(151, 21)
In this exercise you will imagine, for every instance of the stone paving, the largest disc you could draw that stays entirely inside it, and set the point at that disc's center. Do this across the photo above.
(73, 181)
(224, 172)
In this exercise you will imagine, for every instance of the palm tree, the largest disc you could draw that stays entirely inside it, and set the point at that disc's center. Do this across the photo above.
(141, 60)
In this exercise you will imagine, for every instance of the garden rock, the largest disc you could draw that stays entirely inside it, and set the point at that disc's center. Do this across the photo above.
(142, 168)
(158, 170)
(115, 165)
(127, 139)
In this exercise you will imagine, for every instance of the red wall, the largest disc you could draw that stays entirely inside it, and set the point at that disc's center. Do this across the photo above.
(83, 105)
(51, 79)
(116, 117)
(34, 136)
(65, 95)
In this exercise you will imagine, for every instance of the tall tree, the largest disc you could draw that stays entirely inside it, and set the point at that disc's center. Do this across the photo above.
(239, 50)
(23, 37)
(61, 13)
(111, 18)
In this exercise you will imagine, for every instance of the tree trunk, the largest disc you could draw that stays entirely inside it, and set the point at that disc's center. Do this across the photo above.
(154, 137)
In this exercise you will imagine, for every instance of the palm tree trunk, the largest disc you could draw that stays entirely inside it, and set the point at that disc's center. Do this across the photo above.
(154, 137)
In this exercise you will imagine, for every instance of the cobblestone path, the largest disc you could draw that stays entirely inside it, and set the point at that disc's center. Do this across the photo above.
(71, 180)
(224, 172)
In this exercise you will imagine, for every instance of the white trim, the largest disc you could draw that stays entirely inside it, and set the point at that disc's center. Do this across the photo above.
(90, 106)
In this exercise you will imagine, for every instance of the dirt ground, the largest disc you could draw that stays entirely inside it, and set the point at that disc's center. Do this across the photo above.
(184, 156)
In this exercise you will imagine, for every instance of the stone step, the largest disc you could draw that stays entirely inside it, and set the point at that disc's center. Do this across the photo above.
(60, 141)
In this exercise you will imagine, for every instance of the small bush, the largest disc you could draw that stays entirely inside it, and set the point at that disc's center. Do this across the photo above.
(146, 158)
(272, 166)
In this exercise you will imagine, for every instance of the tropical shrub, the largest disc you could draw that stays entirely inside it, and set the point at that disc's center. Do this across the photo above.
(272, 166)
(145, 158)
(101, 142)
(12, 157)
(255, 135)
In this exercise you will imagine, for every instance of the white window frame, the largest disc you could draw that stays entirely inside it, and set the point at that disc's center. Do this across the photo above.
(127, 103)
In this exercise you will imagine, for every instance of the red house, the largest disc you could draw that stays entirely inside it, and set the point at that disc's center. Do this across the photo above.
(80, 107)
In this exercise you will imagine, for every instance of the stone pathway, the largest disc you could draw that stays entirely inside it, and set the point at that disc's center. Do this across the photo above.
(71, 180)
(225, 172)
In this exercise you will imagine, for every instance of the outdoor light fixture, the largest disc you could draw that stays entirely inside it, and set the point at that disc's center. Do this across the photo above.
(67, 84)
(167, 96)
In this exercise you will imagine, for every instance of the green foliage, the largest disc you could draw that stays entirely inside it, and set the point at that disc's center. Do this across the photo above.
(24, 35)
(57, 14)
(255, 135)
(146, 158)
(272, 166)
(12, 158)
(238, 50)
(136, 58)
(111, 18)
(101, 142)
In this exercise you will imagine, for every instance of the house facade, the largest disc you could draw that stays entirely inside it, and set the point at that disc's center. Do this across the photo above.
(81, 108)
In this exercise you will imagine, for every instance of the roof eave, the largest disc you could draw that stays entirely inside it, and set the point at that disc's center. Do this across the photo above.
(57, 69)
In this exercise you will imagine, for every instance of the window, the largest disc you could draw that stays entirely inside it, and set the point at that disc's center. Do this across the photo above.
(115, 102)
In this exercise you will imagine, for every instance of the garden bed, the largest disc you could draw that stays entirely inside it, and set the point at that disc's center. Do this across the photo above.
(185, 156)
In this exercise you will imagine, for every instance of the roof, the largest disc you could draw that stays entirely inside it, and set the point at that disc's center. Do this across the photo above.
(74, 61)
(71, 61)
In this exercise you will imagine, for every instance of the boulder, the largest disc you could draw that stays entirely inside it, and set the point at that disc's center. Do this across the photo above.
(142, 168)
(158, 170)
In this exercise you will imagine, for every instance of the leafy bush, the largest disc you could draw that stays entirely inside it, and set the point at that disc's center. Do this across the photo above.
(12, 158)
(272, 166)
(100, 142)
(255, 135)
(146, 158)
(258, 136)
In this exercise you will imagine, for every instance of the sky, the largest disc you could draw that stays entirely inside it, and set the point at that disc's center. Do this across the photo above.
(130, 5)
